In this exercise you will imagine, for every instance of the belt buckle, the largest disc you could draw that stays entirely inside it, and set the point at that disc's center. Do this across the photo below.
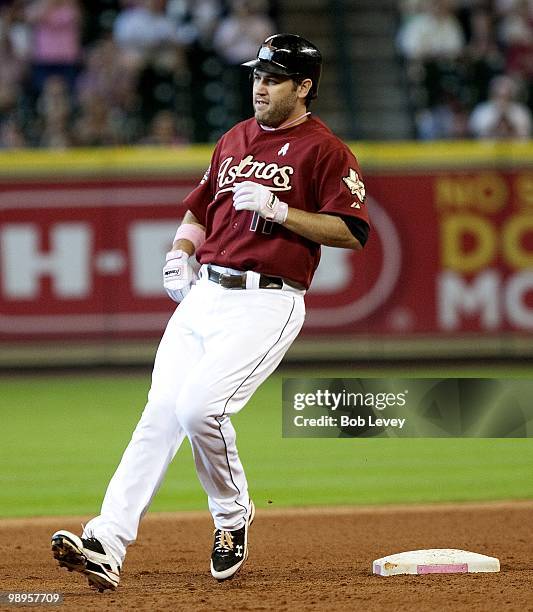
(223, 279)
(228, 281)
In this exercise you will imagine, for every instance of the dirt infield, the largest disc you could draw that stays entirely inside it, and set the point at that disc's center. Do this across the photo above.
(313, 559)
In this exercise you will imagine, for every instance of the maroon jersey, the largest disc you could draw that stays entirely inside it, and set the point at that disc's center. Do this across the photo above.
(306, 166)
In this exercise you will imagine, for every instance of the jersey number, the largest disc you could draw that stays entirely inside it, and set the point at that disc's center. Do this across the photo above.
(258, 222)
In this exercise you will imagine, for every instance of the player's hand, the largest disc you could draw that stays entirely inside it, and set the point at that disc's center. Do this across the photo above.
(253, 196)
(178, 275)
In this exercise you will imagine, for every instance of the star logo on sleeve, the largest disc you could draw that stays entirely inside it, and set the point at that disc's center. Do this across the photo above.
(356, 187)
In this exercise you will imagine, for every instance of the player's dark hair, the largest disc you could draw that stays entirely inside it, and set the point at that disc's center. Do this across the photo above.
(298, 80)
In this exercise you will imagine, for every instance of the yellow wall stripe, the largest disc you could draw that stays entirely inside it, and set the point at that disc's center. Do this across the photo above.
(151, 160)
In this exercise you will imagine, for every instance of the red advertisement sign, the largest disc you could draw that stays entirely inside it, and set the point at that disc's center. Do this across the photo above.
(450, 253)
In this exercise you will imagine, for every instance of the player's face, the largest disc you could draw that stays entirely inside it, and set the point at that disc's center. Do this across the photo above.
(276, 98)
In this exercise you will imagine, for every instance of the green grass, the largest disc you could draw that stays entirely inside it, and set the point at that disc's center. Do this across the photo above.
(62, 437)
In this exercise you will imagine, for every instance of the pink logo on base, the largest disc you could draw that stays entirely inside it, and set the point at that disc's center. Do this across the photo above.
(449, 568)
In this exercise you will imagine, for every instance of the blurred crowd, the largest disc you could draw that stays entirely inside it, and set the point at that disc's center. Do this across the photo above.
(469, 67)
(118, 72)
(166, 72)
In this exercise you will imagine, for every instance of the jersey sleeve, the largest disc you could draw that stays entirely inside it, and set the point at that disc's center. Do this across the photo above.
(339, 185)
(199, 198)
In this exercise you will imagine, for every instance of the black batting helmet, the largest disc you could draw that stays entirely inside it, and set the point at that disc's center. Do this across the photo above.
(290, 55)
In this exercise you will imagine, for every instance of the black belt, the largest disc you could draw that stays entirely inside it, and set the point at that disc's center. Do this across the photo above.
(238, 281)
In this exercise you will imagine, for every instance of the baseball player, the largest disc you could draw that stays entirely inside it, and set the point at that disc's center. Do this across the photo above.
(279, 185)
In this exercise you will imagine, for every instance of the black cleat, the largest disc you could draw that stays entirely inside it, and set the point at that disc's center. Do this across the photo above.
(230, 549)
(86, 556)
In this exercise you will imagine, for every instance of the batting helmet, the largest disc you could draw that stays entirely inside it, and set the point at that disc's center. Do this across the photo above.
(290, 55)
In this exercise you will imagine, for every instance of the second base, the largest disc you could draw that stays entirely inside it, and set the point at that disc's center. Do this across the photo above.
(435, 561)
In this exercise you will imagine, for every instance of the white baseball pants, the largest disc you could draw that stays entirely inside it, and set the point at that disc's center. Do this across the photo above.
(218, 347)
